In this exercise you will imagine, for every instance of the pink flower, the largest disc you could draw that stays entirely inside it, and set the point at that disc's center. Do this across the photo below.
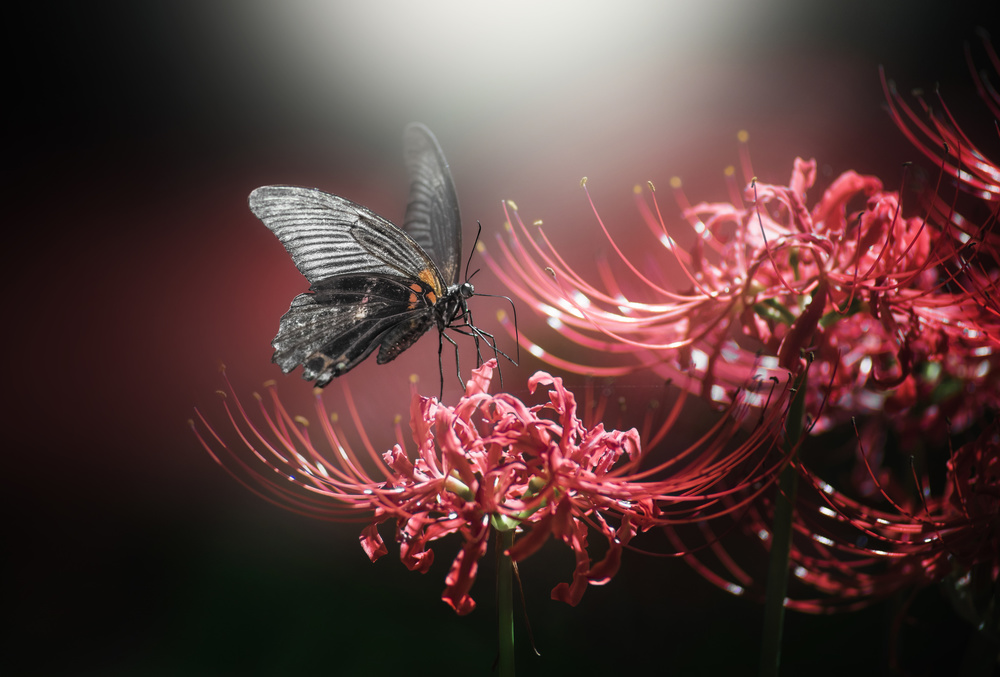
(871, 295)
(847, 553)
(493, 463)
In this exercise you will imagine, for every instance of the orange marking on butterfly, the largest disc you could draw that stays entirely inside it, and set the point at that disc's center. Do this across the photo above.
(428, 277)
(413, 297)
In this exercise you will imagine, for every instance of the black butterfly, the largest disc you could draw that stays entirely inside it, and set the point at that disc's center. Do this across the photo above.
(372, 284)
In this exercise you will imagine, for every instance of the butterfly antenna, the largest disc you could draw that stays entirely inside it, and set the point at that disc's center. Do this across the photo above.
(474, 245)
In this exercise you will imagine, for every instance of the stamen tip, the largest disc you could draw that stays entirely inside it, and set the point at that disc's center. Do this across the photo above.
(675, 182)
(257, 396)
(501, 315)
(221, 393)
(550, 272)
(414, 378)
(270, 383)
(302, 421)
(637, 189)
(583, 182)
(510, 203)
(397, 419)
(729, 171)
(317, 391)
(538, 222)
(480, 247)
(743, 136)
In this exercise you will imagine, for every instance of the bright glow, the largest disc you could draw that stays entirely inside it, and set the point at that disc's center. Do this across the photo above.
(570, 308)
(824, 510)
(667, 241)
(554, 322)
(734, 589)
(549, 310)
(699, 359)
(730, 351)
(581, 300)
(822, 539)
(411, 54)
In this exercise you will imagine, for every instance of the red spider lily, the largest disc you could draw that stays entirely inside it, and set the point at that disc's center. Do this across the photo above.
(869, 292)
(847, 554)
(494, 463)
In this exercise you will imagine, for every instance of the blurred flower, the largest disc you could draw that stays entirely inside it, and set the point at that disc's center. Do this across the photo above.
(882, 530)
(873, 296)
(846, 553)
(493, 463)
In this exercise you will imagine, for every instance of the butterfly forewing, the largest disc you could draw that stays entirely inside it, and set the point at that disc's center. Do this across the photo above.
(432, 217)
(316, 229)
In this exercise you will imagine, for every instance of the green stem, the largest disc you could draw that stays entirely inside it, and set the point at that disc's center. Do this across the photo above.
(781, 542)
(505, 601)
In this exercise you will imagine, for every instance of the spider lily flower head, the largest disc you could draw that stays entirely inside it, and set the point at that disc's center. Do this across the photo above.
(490, 463)
(848, 552)
(770, 278)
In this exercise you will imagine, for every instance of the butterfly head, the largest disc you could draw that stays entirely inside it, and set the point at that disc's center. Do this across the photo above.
(467, 290)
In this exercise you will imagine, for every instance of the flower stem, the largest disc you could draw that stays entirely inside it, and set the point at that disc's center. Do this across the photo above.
(781, 542)
(505, 601)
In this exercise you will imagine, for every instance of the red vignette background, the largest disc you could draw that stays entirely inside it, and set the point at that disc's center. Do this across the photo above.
(132, 267)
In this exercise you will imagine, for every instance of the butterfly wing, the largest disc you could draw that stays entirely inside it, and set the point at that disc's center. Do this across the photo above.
(432, 217)
(335, 327)
(371, 284)
(323, 233)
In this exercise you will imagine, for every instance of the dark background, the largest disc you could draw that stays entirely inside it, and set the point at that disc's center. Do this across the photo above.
(133, 134)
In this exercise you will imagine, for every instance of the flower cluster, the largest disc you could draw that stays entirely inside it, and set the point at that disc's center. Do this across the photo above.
(867, 292)
(492, 463)
(847, 552)
(885, 313)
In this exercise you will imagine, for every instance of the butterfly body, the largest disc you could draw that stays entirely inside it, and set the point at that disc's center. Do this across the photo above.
(372, 285)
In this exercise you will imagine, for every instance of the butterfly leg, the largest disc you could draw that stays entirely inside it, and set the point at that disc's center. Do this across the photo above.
(458, 368)
(440, 366)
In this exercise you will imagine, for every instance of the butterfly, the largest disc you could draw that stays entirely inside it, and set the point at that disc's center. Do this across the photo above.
(373, 285)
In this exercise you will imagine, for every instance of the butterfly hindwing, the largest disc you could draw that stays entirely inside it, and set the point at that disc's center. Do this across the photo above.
(432, 216)
(345, 318)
